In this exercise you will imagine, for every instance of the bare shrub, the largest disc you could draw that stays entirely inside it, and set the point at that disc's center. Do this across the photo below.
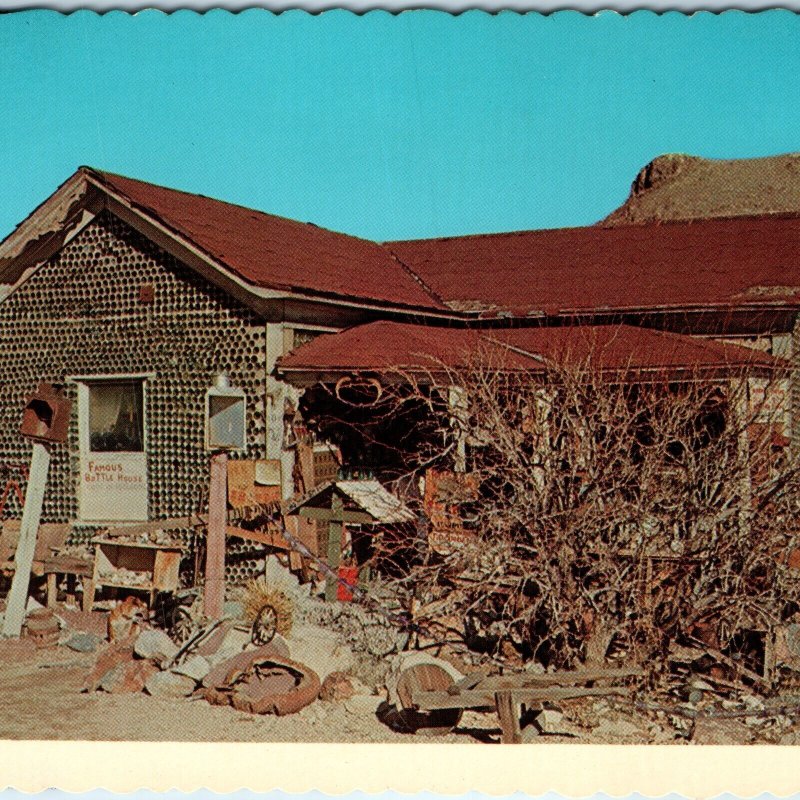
(601, 512)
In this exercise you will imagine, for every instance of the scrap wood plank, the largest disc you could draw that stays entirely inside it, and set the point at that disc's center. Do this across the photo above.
(736, 666)
(68, 565)
(568, 678)
(485, 697)
(156, 525)
(269, 538)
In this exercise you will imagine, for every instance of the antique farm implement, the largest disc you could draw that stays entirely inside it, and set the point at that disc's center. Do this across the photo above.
(434, 701)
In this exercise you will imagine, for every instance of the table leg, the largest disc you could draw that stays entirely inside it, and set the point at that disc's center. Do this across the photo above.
(70, 594)
(52, 589)
(508, 711)
(88, 594)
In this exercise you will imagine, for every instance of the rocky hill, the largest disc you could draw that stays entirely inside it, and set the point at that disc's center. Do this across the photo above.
(679, 187)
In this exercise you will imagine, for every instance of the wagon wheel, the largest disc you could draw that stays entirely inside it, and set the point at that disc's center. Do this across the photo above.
(426, 678)
(264, 626)
(183, 626)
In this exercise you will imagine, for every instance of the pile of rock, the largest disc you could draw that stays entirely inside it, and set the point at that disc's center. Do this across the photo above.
(225, 668)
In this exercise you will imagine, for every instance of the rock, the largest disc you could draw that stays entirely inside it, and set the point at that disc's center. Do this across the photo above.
(403, 661)
(752, 702)
(169, 684)
(337, 687)
(95, 622)
(83, 642)
(550, 720)
(106, 660)
(128, 678)
(619, 729)
(695, 696)
(534, 668)
(367, 631)
(363, 704)
(233, 609)
(232, 643)
(156, 645)
(280, 578)
(530, 735)
(681, 724)
(195, 667)
(32, 605)
(320, 649)
(792, 737)
(708, 730)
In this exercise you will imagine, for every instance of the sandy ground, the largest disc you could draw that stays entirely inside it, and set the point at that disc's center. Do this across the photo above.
(42, 700)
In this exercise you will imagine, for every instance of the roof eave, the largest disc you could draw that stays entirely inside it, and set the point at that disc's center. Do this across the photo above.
(45, 230)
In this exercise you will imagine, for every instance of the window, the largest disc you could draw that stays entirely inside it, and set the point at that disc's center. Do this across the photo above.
(304, 336)
(116, 421)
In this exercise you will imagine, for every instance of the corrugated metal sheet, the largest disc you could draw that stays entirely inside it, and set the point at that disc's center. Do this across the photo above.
(377, 501)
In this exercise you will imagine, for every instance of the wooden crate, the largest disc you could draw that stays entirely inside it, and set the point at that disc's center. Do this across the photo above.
(158, 565)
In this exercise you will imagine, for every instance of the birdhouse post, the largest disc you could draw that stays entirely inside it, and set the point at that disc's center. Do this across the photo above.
(45, 420)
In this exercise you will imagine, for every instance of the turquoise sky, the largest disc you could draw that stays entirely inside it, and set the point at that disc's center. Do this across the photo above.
(387, 126)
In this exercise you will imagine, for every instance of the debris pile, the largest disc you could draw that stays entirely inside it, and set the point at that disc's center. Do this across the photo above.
(125, 577)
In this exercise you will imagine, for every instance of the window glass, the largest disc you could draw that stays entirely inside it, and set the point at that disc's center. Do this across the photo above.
(116, 421)
(303, 336)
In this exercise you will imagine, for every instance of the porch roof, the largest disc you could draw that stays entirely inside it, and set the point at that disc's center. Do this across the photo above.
(392, 347)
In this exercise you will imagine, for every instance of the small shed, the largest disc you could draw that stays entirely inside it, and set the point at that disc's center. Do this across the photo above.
(359, 502)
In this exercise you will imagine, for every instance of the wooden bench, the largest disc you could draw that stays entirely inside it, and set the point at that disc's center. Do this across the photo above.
(47, 563)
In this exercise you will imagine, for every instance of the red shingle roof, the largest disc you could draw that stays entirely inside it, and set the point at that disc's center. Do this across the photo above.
(272, 252)
(716, 262)
(387, 346)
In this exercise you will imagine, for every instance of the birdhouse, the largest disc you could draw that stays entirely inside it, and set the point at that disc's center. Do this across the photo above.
(46, 415)
(226, 409)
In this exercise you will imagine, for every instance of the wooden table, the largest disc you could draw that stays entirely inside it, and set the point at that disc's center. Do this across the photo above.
(71, 566)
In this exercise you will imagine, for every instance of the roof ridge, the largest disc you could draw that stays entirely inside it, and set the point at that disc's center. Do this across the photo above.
(413, 274)
(103, 176)
(708, 343)
(694, 221)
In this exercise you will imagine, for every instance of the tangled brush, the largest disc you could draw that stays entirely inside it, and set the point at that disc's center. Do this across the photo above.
(257, 594)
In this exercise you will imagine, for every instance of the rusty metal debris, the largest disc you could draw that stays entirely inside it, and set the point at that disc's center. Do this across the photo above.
(260, 682)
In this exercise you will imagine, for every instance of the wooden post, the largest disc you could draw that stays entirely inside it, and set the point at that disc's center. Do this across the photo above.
(741, 418)
(334, 545)
(508, 710)
(214, 594)
(23, 559)
(458, 407)
(89, 589)
(52, 589)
